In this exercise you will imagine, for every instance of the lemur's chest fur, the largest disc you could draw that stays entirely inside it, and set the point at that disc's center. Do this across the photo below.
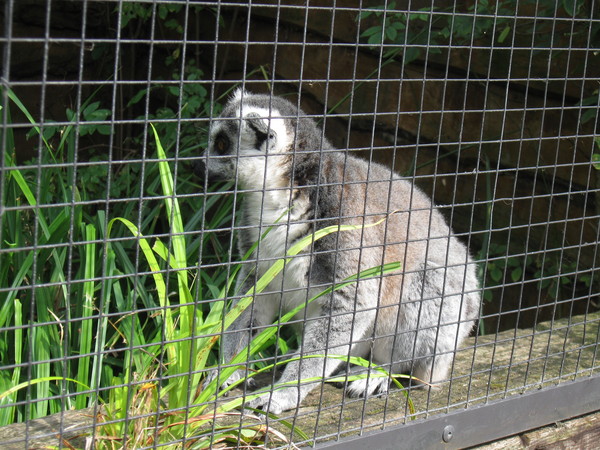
(277, 219)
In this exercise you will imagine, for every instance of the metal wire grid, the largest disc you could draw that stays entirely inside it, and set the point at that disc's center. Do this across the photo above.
(555, 334)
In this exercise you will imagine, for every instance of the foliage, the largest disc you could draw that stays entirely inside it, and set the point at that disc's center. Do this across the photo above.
(51, 260)
(38, 281)
(65, 293)
(596, 156)
(417, 34)
(68, 294)
(554, 275)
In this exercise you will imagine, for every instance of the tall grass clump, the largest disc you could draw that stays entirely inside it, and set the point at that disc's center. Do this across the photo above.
(68, 307)
(49, 256)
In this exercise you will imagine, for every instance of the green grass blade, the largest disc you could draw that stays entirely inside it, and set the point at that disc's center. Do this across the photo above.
(158, 280)
(85, 335)
(189, 316)
(174, 215)
(40, 339)
(24, 110)
(5, 311)
(7, 413)
(20, 180)
(16, 175)
(108, 282)
(33, 382)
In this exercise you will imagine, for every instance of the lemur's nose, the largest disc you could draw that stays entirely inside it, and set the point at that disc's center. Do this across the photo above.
(199, 168)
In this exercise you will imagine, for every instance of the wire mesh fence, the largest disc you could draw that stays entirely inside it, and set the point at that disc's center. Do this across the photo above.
(225, 224)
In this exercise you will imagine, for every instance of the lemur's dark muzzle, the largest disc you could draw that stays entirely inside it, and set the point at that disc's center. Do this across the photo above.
(199, 168)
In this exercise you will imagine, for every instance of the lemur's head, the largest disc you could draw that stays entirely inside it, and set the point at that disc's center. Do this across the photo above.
(252, 141)
(262, 141)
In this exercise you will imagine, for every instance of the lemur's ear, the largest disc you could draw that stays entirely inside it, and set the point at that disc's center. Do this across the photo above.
(260, 125)
(239, 94)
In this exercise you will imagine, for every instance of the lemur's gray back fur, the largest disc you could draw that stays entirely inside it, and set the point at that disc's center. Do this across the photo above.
(296, 183)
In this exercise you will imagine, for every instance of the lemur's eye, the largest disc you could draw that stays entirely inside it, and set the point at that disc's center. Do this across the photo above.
(221, 144)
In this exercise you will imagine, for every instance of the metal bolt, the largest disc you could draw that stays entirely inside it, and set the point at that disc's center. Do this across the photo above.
(448, 433)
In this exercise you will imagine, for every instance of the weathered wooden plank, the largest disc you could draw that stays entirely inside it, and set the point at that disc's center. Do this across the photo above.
(489, 367)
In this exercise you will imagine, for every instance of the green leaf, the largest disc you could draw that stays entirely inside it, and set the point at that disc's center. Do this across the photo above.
(588, 115)
(104, 130)
(487, 295)
(391, 33)
(411, 54)
(371, 31)
(89, 109)
(596, 156)
(417, 16)
(572, 7)
(25, 384)
(504, 34)
(399, 25)
(137, 97)
(173, 90)
(364, 15)
(154, 268)
(495, 273)
(173, 24)
(24, 110)
(376, 39)
(515, 275)
(87, 322)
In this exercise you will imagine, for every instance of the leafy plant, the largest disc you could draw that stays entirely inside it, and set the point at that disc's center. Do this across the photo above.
(501, 268)
(592, 103)
(36, 267)
(61, 291)
(425, 31)
(596, 156)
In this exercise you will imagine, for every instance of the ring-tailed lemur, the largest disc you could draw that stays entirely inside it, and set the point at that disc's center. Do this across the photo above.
(294, 181)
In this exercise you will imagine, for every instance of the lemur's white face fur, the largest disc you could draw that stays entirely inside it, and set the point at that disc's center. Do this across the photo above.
(250, 141)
